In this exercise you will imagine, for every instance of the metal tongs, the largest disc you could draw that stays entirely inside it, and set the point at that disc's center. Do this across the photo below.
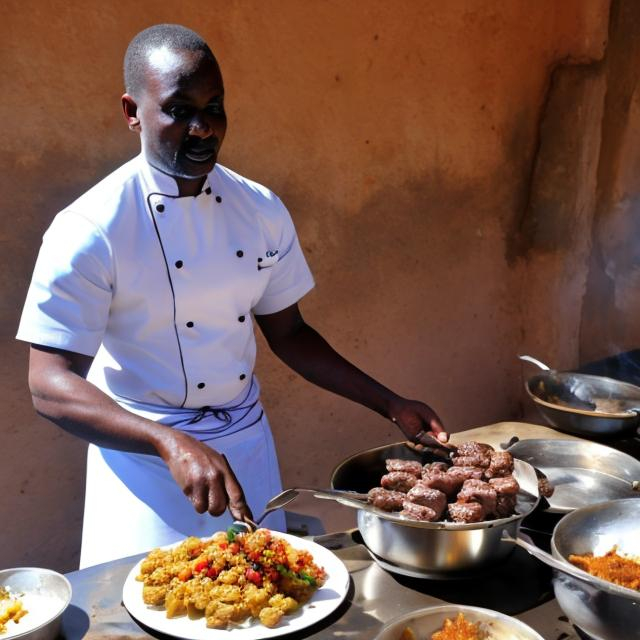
(427, 442)
(347, 498)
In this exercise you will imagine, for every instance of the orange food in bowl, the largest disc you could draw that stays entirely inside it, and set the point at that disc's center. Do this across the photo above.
(611, 567)
(458, 629)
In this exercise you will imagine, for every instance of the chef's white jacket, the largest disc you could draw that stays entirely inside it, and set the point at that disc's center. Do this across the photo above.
(160, 290)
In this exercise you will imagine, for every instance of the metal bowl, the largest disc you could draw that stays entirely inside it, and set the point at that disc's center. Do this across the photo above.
(602, 609)
(435, 550)
(45, 594)
(548, 389)
(425, 622)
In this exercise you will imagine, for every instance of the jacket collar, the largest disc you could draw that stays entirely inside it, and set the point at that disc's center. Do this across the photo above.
(157, 182)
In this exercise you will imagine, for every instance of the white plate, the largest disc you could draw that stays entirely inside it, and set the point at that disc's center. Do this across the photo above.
(324, 601)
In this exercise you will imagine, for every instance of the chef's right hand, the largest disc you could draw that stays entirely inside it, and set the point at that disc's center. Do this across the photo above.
(204, 475)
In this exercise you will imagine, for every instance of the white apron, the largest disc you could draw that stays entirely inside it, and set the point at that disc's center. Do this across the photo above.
(133, 504)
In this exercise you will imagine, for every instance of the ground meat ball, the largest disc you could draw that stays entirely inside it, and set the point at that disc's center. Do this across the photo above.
(505, 505)
(545, 488)
(505, 486)
(479, 491)
(482, 460)
(466, 512)
(408, 466)
(434, 466)
(501, 465)
(427, 497)
(398, 481)
(386, 500)
(418, 512)
(472, 448)
(466, 473)
(448, 483)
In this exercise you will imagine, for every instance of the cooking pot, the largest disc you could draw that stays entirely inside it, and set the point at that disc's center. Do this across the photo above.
(436, 550)
(583, 404)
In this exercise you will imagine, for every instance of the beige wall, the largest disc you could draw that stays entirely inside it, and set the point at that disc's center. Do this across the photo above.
(420, 147)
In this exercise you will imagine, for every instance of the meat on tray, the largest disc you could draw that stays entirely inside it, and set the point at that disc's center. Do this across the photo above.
(472, 448)
(481, 492)
(418, 512)
(478, 484)
(466, 473)
(505, 505)
(482, 460)
(501, 465)
(427, 497)
(466, 512)
(447, 483)
(434, 466)
(506, 485)
(385, 499)
(408, 466)
(398, 481)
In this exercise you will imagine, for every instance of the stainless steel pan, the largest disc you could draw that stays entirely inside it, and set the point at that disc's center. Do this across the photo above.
(581, 472)
(582, 404)
(602, 609)
(440, 550)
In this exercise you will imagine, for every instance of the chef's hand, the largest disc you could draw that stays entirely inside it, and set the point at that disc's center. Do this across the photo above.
(204, 475)
(420, 424)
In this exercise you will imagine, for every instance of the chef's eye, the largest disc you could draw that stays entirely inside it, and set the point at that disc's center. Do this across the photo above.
(215, 107)
(180, 112)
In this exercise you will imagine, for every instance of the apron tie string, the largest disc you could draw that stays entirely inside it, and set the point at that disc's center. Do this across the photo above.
(238, 416)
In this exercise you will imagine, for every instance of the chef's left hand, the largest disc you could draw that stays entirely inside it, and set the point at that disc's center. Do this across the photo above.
(420, 424)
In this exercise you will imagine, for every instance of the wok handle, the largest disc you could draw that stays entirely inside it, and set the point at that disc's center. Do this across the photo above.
(545, 557)
(533, 360)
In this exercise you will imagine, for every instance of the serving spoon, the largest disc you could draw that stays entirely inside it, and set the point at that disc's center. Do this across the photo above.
(348, 498)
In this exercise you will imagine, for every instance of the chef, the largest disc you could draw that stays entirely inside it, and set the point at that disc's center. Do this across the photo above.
(139, 316)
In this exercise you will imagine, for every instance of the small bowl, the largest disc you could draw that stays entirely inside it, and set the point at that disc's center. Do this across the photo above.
(45, 594)
(425, 622)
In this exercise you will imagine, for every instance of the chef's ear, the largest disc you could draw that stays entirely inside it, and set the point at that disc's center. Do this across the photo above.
(130, 110)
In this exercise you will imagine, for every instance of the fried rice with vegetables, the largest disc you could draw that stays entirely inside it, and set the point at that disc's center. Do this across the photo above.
(230, 578)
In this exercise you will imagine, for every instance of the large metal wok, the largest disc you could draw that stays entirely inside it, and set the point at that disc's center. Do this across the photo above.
(604, 610)
(439, 550)
(583, 404)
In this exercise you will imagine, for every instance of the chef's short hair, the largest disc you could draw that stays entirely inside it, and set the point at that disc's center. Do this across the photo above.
(173, 36)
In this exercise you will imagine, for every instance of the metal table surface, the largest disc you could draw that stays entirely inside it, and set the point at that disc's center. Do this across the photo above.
(520, 587)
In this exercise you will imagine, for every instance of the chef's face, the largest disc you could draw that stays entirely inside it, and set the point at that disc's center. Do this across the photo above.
(179, 113)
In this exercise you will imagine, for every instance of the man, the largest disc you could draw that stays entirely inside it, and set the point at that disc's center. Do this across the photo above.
(139, 319)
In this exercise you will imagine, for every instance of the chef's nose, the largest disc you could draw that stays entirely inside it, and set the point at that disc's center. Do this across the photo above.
(199, 126)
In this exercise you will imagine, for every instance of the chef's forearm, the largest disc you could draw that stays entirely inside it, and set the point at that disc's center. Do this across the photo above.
(97, 422)
(63, 396)
(309, 354)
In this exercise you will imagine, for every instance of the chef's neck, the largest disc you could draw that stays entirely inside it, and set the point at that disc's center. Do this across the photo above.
(189, 186)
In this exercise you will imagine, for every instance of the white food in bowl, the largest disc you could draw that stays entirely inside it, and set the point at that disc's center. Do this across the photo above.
(44, 594)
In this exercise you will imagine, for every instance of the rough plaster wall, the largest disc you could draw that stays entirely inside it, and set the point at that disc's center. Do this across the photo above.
(402, 137)
(612, 303)
(554, 235)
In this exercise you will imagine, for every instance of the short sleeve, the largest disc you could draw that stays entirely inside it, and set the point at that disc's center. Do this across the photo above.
(290, 277)
(67, 304)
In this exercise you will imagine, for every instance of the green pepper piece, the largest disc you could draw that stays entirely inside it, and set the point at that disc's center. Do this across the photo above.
(282, 570)
(310, 580)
